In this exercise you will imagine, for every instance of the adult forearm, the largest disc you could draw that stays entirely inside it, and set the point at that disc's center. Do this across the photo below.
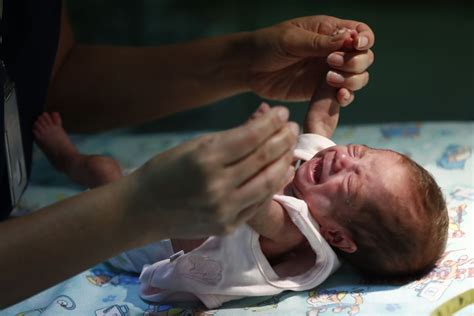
(100, 87)
(61, 240)
(203, 187)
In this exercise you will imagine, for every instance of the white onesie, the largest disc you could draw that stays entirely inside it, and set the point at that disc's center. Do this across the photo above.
(230, 267)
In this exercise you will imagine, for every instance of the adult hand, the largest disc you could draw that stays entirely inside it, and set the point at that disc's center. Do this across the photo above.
(289, 60)
(212, 184)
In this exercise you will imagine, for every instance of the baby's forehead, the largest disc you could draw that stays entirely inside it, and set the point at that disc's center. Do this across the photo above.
(381, 151)
(388, 174)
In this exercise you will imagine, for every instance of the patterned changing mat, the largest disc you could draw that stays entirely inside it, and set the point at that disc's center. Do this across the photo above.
(444, 148)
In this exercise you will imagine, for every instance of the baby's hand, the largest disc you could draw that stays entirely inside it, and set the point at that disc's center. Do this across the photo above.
(350, 41)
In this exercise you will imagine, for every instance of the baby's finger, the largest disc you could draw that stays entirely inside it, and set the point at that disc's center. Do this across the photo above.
(349, 81)
(344, 97)
(355, 62)
(365, 38)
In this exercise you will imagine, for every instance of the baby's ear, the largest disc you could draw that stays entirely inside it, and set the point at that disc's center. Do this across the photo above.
(339, 238)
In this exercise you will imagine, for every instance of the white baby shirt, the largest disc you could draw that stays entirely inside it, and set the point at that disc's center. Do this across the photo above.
(226, 268)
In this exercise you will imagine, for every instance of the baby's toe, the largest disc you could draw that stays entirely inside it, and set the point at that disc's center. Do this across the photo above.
(56, 117)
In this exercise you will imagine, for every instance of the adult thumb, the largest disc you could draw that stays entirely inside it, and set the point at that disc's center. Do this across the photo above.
(303, 43)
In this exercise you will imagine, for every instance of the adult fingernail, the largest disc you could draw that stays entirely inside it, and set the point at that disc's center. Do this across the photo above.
(283, 113)
(346, 96)
(334, 77)
(362, 42)
(335, 59)
(294, 128)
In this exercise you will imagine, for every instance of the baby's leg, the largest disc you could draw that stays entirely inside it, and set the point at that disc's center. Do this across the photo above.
(87, 170)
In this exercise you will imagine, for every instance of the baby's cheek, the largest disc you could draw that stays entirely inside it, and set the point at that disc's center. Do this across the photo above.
(319, 206)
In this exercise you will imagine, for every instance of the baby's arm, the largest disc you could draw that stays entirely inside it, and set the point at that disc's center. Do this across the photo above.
(278, 234)
(323, 112)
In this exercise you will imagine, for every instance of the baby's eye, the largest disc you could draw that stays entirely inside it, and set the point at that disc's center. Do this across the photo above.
(348, 185)
(354, 151)
(351, 190)
(357, 151)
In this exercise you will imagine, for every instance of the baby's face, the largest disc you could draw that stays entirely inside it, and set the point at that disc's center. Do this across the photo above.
(339, 180)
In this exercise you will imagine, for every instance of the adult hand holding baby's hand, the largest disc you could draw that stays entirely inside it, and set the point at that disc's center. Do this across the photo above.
(288, 61)
(215, 182)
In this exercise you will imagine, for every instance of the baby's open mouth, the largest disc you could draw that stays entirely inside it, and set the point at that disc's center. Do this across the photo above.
(318, 170)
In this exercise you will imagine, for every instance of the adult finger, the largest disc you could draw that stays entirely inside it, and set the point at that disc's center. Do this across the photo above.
(354, 61)
(267, 182)
(346, 80)
(237, 143)
(273, 149)
(344, 97)
(304, 43)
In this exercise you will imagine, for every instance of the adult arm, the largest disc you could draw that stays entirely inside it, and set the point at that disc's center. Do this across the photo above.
(99, 87)
(203, 187)
(54, 243)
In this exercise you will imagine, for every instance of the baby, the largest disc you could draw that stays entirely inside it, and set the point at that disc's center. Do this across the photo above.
(375, 208)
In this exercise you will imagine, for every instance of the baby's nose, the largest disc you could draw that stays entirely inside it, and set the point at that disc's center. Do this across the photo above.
(341, 162)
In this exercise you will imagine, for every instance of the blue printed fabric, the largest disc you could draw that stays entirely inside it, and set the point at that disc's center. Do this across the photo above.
(444, 148)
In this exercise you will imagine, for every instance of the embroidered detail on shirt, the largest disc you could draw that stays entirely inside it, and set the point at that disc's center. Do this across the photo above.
(202, 269)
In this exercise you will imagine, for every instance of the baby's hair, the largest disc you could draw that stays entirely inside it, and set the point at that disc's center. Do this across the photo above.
(404, 251)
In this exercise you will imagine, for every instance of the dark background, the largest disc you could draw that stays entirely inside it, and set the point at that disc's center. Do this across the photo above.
(424, 66)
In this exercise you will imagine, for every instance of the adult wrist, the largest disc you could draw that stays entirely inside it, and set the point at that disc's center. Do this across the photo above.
(138, 215)
(237, 59)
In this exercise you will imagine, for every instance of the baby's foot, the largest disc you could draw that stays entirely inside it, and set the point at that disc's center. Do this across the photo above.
(53, 140)
(87, 170)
